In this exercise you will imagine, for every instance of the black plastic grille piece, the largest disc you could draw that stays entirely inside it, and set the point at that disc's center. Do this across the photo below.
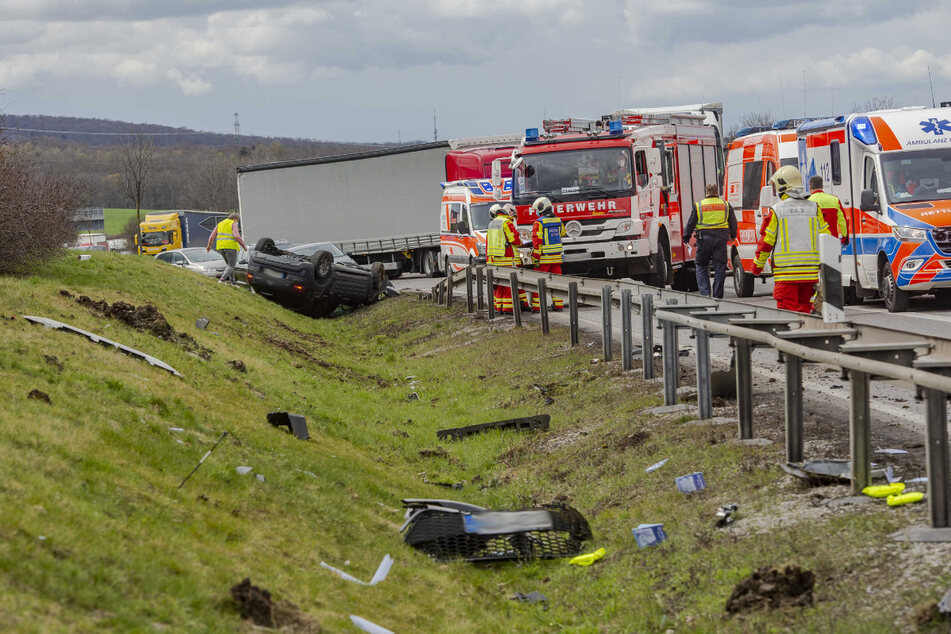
(517, 424)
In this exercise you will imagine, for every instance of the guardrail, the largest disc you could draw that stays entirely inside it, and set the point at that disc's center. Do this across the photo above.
(865, 353)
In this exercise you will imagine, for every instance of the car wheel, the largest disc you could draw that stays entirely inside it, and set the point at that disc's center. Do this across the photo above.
(896, 300)
(742, 281)
(323, 262)
(265, 245)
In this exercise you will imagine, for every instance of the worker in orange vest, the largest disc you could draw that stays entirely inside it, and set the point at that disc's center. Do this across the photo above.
(547, 249)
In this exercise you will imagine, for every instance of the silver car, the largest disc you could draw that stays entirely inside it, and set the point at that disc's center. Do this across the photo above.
(208, 263)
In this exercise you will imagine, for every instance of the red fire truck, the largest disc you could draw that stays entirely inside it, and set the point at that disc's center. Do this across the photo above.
(624, 186)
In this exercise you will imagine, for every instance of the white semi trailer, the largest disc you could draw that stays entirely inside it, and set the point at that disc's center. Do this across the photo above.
(379, 206)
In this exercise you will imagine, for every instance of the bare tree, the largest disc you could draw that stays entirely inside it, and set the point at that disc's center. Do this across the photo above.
(749, 120)
(883, 102)
(212, 184)
(136, 159)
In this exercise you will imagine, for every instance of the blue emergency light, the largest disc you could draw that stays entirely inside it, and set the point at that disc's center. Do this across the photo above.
(862, 130)
(616, 127)
(531, 134)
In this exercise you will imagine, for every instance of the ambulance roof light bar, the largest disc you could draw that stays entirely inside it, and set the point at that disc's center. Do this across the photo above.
(497, 140)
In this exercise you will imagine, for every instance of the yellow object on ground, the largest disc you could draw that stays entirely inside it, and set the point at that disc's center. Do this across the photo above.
(884, 490)
(907, 498)
(588, 559)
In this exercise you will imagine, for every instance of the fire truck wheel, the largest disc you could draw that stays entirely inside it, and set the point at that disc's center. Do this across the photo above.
(661, 271)
(896, 300)
(742, 281)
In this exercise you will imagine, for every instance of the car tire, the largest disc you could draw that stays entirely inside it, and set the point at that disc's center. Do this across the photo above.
(742, 281)
(265, 245)
(896, 300)
(323, 262)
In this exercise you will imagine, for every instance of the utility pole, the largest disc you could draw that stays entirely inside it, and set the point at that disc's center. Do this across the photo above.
(804, 93)
(435, 136)
(237, 128)
(932, 86)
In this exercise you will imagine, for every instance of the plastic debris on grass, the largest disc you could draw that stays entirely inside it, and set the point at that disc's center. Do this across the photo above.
(532, 597)
(891, 452)
(367, 626)
(649, 534)
(905, 498)
(691, 483)
(884, 490)
(656, 465)
(382, 570)
(725, 514)
(587, 559)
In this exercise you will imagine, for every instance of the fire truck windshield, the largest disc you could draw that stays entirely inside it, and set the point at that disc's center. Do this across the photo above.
(574, 175)
(917, 175)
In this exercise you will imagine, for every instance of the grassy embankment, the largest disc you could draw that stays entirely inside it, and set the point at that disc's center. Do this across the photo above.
(95, 535)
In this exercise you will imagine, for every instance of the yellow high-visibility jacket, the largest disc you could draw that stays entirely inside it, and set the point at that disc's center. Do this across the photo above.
(502, 242)
(711, 214)
(225, 238)
(792, 237)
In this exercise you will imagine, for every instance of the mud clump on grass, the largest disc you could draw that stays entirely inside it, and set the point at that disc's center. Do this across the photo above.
(37, 395)
(771, 589)
(145, 318)
(256, 605)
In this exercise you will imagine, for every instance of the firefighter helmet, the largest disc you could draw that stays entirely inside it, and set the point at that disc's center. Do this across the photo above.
(785, 178)
(543, 207)
(509, 210)
(494, 210)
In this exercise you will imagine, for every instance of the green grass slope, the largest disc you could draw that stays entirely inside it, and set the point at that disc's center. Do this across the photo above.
(95, 534)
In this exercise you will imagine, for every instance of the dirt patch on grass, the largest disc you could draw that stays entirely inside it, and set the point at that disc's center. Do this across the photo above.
(256, 605)
(145, 318)
(771, 589)
(299, 334)
(348, 374)
(631, 440)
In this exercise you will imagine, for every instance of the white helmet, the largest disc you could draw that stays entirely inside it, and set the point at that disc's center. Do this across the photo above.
(508, 209)
(543, 206)
(494, 210)
(786, 177)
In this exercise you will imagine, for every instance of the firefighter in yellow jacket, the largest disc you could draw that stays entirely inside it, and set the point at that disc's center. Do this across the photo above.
(502, 243)
(547, 233)
(791, 236)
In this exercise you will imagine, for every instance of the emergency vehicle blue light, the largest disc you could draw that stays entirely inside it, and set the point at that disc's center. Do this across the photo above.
(531, 134)
(861, 128)
(616, 127)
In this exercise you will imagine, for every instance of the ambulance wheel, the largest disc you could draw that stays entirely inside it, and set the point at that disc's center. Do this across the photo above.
(896, 300)
(742, 281)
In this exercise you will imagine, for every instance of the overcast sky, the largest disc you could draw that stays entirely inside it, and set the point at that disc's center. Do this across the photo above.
(375, 70)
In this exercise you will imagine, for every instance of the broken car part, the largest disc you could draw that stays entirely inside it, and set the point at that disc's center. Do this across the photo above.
(588, 558)
(725, 514)
(367, 626)
(295, 423)
(691, 483)
(446, 530)
(208, 453)
(532, 597)
(649, 534)
(381, 571)
(58, 325)
(517, 424)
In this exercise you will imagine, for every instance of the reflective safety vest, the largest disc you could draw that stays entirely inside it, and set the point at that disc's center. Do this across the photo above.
(225, 238)
(793, 231)
(500, 237)
(831, 210)
(711, 214)
(548, 232)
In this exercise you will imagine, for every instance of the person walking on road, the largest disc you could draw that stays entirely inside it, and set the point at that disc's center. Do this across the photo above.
(547, 249)
(502, 243)
(713, 222)
(227, 238)
(831, 209)
(791, 237)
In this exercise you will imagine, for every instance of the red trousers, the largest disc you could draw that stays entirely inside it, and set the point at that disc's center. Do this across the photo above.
(795, 296)
(556, 302)
(502, 296)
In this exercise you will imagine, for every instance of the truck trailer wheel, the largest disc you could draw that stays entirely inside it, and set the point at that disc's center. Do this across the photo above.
(427, 264)
(742, 281)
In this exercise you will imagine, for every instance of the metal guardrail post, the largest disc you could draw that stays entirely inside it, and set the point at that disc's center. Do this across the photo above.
(859, 431)
(744, 386)
(936, 453)
(647, 335)
(490, 292)
(442, 288)
(448, 287)
(793, 408)
(435, 294)
(480, 281)
(543, 304)
(704, 389)
(606, 340)
(516, 301)
(469, 303)
(671, 369)
(627, 360)
(573, 311)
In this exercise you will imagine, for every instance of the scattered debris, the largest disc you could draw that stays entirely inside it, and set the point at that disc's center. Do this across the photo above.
(587, 559)
(310, 473)
(772, 588)
(447, 530)
(691, 483)
(890, 475)
(725, 515)
(238, 365)
(671, 409)
(891, 452)
(201, 323)
(176, 429)
(381, 571)
(549, 401)
(847, 501)
(516, 424)
(255, 604)
(543, 390)
(37, 395)
(753, 442)
(53, 361)
(208, 453)
(295, 423)
(259, 476)
(367, 626)
(413, 397)
(438, 452)
(884, 490)
(58, 325)
(905, 498)
(243, 470)
(656, 465)
(916, 480)
(649, 534)
(819, 472)
(944, 605)
(532, 597)
(449, 485)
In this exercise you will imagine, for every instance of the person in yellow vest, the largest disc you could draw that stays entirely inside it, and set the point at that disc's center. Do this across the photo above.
(547, 233)
(831, 209)
(227, 238)
(713, 221)
(502, 243)
(792, 238)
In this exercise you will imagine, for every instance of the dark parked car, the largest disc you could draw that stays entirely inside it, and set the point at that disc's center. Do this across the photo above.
(313, 278)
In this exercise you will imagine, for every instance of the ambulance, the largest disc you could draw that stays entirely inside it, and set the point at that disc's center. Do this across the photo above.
(624, 186)
(892, 171)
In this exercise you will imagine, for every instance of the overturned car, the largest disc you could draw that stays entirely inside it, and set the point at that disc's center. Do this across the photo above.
(313, 279)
